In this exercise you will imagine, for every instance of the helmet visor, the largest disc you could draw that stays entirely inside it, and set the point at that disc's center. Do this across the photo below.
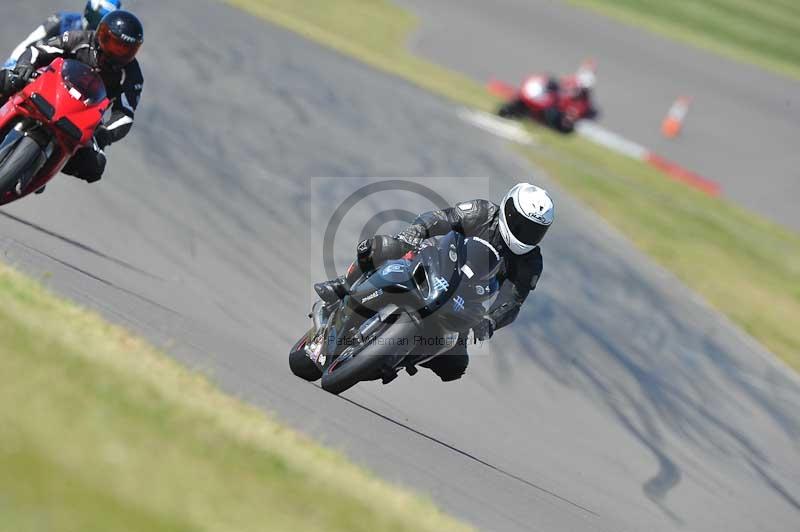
(116, 50)
(524, 229)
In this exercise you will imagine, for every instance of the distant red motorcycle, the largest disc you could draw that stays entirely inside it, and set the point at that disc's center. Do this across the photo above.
(44, 124)
(556, 103)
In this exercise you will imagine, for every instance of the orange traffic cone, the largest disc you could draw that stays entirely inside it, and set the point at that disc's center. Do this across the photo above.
(672, 124)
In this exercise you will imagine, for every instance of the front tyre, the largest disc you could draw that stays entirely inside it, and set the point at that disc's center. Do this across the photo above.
(367, 364)
(19, 161)
(300, 364)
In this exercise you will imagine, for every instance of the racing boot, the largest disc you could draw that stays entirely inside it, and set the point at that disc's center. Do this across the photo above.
(332, 291)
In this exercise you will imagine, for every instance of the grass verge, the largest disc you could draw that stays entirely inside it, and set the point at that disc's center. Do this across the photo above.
(746, 267)
(762, 32)
(100, 432)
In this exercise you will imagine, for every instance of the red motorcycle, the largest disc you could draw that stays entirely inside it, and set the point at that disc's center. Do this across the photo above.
(44, 124)
(558, 103)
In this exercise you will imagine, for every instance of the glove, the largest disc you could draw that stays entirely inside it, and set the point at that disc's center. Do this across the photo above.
(410, 236)
(484, 329)
(24, 70)
(10, 83)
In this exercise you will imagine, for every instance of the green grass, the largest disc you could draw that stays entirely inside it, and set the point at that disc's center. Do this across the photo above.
(745, 266)
(98, 432)
(763, 32)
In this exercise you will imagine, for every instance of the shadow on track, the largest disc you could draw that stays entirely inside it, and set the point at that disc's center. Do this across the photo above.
(468, 455)
(671, 381)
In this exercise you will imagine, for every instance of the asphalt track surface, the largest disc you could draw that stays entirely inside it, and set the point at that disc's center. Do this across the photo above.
(617, 401)
(741, 130)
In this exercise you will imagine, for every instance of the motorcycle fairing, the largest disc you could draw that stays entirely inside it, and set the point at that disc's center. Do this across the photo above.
(61, 109)
(61, 86)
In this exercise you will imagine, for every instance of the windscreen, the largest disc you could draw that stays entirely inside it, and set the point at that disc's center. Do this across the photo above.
(79, 77)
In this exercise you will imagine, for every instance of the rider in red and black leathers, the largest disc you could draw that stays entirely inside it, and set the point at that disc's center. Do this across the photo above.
(476, 218)
(122, 77)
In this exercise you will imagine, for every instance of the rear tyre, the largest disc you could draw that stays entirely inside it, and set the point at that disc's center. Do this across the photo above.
(300, 364)
(18, 163)
(370, 362)
(567, 125)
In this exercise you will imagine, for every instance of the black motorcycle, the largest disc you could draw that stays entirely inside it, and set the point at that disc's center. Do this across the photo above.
(403, 314)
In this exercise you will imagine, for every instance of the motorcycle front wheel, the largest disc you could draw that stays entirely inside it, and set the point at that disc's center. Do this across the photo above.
(300, 364)
(19, 159)
(513, 109)
(365, 364)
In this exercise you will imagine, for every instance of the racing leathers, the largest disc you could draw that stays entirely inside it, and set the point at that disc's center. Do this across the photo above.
(123, 88)
(56, 24)
(476, 218)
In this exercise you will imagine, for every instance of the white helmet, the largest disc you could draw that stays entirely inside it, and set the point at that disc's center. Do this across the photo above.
(526, 215)
(586, 79)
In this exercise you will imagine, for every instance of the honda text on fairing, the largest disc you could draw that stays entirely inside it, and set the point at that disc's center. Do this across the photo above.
(44, 124)
(558, 103)
(404, 313)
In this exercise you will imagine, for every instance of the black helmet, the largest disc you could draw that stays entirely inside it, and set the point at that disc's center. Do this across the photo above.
(119, 36)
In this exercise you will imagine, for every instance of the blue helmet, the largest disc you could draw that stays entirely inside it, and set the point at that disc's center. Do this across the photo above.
(97, 9)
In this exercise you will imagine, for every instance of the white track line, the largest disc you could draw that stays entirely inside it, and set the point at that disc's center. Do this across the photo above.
(610, 140)
(501, 127)
(511, 130)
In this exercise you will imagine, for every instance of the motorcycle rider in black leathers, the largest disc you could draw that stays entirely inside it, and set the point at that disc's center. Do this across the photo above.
(111, 51)
(514, 228)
